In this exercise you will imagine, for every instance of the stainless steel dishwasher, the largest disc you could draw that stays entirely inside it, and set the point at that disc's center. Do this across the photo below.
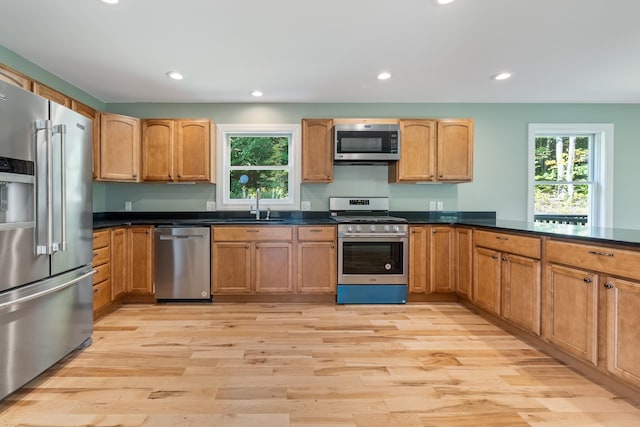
(182, 263)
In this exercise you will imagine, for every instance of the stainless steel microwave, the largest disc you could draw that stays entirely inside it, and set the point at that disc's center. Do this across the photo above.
(363, 142)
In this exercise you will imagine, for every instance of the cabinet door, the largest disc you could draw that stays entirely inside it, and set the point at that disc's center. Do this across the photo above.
(51, 94)
(417, 152)
(119, 256)
(231, 267)
(441, 255)
(140, 260)
(94, 115)
(521, 291)
(418, 258)
(15, 78)
(455, 150)
(274, 267)
(119, 147)
(571, 311)
(192, 155)
(623, 334)
(464, 261)
(317, 150)
(157, 150)
(317, 271)
(486, 279)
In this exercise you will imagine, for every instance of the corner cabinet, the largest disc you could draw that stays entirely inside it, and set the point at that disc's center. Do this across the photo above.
(317, 150)
(119, 148)
(176, 150)
(434, 151)
(431, 259)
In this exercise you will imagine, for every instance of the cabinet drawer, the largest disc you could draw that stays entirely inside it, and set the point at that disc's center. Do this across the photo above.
(100, 256)
(102, 273)
(101, 295)
(619, 262)
(250, 234)
(519, 245)
(100, 239)
(316, 233)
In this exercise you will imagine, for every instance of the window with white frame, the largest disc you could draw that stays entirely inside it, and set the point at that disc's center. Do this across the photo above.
(571, 174)
(252, 157)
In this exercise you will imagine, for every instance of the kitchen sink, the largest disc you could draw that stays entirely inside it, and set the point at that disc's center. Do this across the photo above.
(249, 221)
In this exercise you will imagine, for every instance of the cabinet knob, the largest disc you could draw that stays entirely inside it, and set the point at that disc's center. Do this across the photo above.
(257, 247)
(246, 247)
(333, 246)
(608, 285)
(587, 280)
(504, 258)
(494, 256)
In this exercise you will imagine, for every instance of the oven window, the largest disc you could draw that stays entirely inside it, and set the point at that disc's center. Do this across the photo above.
(361, 145)
(372, 258)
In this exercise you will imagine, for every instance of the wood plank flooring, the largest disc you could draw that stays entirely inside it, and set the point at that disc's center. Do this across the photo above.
(302, 365)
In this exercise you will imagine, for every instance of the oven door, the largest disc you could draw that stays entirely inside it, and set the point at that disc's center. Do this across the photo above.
(372, 260)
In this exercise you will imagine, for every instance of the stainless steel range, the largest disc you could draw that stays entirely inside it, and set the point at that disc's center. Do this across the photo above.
(372, 251)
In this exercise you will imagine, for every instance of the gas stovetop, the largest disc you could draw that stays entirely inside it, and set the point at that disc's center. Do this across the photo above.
(362, 210)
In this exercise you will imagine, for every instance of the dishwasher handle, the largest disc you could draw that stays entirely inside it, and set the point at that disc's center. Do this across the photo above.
(181, 237)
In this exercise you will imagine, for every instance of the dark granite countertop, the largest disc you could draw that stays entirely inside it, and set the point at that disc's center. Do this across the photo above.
(477, 219)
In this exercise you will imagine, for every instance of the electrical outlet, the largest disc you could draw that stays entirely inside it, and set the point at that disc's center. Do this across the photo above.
(440, 205)
(306, 206)
(211, 206)
(432, 205)
(127, 206)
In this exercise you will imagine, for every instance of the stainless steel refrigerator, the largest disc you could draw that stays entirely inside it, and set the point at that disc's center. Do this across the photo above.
(46, 297)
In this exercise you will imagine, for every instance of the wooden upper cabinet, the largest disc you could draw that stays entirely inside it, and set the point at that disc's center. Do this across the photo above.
(192, 150)
(119, 147)
(94, 115)
(176, 150)
(157, 150)
(51, 94)
(434, 150)
(317, 150)
(14, 77)
(455, 150)
(417, 152)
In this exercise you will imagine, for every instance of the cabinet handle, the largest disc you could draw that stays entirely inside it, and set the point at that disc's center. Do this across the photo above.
(494, 256)
(252, 230)
(504, 258)
(135, 175)
(502, 238)
(257, 247)
(179, 176)
(169, 176)
(587, 280)
(608, 285)
(246, 247)
(95, 254)
(600, 253)
(333, 246)
(315, 230)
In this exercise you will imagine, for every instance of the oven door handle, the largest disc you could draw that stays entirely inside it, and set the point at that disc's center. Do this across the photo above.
(374, 235)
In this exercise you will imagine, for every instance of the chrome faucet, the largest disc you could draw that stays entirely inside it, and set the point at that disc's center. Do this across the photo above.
(257, 210)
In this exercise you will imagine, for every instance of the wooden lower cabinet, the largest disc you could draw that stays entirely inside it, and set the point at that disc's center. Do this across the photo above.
(418, 258)
(317, 259)
(487, 283)
(521, 288)
(463, 244)
(119, 257)
(572, 311)
(623, 333)
(101, 263)
(250, 260)
(431, 259)
(140, 260)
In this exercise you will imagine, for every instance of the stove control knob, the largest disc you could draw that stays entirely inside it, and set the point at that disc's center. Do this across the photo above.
(358, 228)
(396, 228)
(372, 227)
(349, 228)
(387, 228)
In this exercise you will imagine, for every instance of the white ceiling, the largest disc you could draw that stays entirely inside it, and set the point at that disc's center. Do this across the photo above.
(332, 50)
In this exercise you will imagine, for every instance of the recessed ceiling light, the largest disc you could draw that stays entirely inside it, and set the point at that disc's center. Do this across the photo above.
(256, 93)
(444, 1)
(501, 76)
(110, 1)
(384, 76)
(175, 75)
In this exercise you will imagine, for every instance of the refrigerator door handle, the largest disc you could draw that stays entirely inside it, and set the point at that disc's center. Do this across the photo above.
(48, 247)
(62, 130)
(48, 291)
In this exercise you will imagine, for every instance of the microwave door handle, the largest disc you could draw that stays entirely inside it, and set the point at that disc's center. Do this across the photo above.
(47, 247)
(62, 130)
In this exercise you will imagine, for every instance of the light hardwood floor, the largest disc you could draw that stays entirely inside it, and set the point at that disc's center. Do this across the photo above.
(273, 365)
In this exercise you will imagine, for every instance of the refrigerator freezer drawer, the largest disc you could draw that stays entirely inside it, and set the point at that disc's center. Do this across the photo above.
(41, 323)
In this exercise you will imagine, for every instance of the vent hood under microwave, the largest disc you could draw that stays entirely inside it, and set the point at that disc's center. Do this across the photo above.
(363, 143)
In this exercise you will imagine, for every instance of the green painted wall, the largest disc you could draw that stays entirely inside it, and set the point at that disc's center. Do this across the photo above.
(500, 152)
